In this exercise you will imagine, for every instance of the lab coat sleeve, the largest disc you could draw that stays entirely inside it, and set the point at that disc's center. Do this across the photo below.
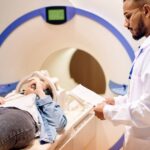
(120, 99)
(136, 113)
(118, 114)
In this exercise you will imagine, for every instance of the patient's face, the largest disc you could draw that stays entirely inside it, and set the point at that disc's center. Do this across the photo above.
(29, 89)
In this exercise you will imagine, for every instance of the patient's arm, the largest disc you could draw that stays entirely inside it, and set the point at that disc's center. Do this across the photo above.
(2, 100)
(53, 112)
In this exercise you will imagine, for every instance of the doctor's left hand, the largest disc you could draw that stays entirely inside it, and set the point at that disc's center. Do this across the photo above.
(98, 109)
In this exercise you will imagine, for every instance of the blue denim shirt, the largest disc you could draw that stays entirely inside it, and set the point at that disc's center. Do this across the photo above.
(52, 119)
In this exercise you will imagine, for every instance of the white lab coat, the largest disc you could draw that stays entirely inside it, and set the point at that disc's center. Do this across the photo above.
(133, 109)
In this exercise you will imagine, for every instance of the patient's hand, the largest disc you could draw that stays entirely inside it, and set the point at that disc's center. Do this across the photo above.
(39, 87)
(2, 100)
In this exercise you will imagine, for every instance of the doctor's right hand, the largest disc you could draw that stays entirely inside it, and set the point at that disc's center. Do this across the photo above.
(109, 101)
(2, 100)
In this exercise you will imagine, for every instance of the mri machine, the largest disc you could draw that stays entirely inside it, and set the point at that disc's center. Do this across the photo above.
(48, 38)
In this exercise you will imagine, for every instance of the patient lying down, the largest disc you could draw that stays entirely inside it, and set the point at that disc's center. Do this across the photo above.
(30, 111)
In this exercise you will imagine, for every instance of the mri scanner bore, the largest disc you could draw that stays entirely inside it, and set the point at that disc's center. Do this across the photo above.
(79, 67)
(85, 70)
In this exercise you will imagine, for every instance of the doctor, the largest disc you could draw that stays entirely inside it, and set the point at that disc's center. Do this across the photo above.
(133, 109)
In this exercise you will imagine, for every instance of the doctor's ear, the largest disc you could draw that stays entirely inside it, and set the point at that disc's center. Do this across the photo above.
(146, 10)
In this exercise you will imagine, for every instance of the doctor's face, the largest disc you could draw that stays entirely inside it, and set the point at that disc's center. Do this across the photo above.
(134, 20)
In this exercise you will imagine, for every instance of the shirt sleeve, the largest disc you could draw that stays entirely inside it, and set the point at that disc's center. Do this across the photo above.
(53, 112)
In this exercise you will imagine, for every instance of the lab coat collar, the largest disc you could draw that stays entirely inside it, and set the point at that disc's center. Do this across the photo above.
(145, 43)
(143, 46)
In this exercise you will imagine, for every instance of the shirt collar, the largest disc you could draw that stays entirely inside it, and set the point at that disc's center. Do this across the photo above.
(143, 46)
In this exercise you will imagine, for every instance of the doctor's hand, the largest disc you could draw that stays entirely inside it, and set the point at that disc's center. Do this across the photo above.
(98, 109)
(109, 101)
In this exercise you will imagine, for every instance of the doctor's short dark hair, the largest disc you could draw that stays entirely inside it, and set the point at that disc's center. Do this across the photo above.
(139, 1)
